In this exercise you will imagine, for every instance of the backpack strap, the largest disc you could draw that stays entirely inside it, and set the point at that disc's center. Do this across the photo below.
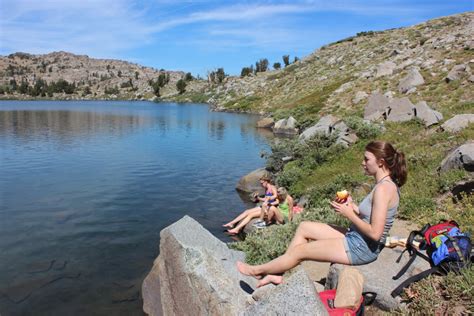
(413, 253)
(413, 279)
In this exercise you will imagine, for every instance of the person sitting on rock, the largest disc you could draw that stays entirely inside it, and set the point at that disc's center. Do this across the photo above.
(283, 211)
(370, 221)
(247, 215)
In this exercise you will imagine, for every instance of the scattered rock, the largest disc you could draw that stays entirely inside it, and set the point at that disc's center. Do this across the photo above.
(412, 79)
(469, 45)
(360, 95)
(288, 297)
(194, 274)
(376, 106)
(458, 122)
(460, 158)
(426, 114)
(378, 276)
(344, 87)
(250, 182)
(267, 122)
(286, 126)
(385, 69)
(456, 73)
(325, 126)
(400, 110)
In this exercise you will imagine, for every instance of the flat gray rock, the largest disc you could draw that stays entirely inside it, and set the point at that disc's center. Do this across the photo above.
(376, 107)
(411, 80)
(400, 110)
(385, 69)
(378, 276)
(426, 114)
(324, 126)
(458, 122)
(295, 296)
(456, 73)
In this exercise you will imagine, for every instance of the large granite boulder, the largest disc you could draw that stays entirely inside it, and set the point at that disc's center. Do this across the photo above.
(411, 80)
(296, 296)
(195, 274)
(458, 122)
(286, 126)
(327, 125)
(460, 158)
(400, 110)
(426, 114)
(376, 107)
(378, 276)
(250, 182)
(324, 126)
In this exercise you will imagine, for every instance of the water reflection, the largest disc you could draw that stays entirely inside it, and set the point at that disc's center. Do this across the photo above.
(85, 188)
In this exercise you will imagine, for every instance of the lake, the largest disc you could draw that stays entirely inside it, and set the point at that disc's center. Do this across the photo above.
(86, 187)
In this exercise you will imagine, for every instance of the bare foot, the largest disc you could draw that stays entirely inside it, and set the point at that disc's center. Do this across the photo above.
(247, 269)
(270, 278)
(233, 231)
(228, 225)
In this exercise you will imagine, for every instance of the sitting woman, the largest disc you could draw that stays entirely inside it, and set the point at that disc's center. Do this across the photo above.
(371, 221)
(247, 215)
(283, 211)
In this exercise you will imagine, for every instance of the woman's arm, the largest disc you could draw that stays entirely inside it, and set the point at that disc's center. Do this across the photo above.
(380, 203)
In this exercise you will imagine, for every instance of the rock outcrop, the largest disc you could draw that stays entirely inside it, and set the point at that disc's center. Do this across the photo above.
(285, 127)
(296, 296)
(327, 125)
(196, 274)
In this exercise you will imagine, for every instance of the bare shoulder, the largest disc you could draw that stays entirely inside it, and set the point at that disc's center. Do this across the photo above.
(386, 188)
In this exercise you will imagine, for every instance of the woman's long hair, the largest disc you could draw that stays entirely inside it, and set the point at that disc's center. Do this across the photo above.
(394, 160)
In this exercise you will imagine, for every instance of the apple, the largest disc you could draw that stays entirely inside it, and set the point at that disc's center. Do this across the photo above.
(342, 195)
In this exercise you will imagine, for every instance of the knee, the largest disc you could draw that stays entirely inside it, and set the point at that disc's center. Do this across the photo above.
(303, 225)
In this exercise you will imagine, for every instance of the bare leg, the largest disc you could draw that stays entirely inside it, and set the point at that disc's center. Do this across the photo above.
(255, 213)
(327, 250)
(270, 278)
(274, 213)
(315, 231)
(240, 217)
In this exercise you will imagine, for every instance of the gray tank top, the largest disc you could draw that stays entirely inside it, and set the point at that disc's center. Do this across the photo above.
(365, 209)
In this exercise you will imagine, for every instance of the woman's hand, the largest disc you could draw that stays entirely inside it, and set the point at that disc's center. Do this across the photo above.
(345, 206)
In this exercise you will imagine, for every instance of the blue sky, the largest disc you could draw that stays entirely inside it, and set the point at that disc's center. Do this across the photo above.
(201, 35)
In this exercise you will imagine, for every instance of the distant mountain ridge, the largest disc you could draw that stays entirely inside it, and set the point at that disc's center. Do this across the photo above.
(92, 78)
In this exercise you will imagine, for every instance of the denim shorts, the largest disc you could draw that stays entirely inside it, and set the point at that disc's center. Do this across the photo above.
(360, 250)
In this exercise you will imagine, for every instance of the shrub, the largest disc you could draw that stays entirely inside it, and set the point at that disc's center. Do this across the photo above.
(362, 128)
(181, 86)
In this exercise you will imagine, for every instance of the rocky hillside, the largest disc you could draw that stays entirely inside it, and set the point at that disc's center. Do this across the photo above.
(339, 76)
(62, 75)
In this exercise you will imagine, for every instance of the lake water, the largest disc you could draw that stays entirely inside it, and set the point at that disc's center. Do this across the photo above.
(86, 187)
